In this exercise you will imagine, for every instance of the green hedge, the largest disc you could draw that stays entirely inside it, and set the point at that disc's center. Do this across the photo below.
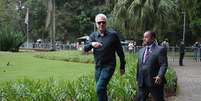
(10, 40)
(69, 56)
(120, 88)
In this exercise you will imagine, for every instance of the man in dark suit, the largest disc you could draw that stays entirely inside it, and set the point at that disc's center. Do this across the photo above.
(151, 69)
(104, 44)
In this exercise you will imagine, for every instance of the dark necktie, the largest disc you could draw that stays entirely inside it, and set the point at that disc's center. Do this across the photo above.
(146, 54)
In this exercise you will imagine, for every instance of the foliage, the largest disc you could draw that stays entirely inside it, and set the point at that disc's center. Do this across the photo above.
(10, 40)
(37, 14)
(75, 18)
(191, 8)
(133, 17)
(9, 16)
(70, 56)
(171, 80)
(121, 88)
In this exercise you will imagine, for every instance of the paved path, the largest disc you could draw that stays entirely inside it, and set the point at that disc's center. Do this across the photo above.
(189, 80)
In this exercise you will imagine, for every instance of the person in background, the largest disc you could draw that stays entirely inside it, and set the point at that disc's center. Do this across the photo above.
(130, 47)
(151, 69)
(181, 53)
(200, 50)
(195, 48)
(104, 44)
(165, 44)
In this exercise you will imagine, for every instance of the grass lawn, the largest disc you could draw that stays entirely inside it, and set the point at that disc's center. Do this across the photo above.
(24, 65)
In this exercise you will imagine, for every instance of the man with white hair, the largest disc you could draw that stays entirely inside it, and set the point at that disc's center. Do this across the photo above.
(104, 44)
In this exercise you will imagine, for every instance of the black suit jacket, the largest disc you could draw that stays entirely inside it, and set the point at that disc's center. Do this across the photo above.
(155, 65)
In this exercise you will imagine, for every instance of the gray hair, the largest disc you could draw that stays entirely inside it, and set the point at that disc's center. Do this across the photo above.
(100, 15)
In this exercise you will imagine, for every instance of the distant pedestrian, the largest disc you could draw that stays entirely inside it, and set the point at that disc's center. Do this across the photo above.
(200, 50)
(195, 48)
(165, 44)
(130, 47)
(181, 53)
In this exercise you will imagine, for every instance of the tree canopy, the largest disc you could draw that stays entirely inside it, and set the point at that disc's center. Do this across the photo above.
(75, 18)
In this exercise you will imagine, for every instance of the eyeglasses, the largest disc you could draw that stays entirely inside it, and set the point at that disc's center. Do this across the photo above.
(103, 22)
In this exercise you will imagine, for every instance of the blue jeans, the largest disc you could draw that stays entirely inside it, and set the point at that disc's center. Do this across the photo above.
(103, 75)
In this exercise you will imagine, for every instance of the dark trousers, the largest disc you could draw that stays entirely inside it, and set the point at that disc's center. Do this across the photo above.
(156, 92)
(181, 57)
(103, 75)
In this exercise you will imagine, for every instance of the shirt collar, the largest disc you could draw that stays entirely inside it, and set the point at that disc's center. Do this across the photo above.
(99, 34)
(150, 47)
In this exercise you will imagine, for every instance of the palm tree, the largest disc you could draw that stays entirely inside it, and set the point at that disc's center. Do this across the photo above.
(136, 16)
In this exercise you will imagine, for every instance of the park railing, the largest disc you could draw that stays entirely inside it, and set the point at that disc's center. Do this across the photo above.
(48, 46)
(173, 52)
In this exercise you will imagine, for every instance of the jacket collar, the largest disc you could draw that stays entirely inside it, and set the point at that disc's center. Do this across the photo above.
(152, 47)
(98, 34)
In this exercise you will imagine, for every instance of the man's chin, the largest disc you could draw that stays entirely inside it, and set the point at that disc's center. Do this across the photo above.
(148, 43)
(102, 30)
(145, 44)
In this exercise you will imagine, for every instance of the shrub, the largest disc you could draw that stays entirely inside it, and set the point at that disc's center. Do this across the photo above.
(10, 40)
(70, 56)
(83, 89)
(171, 85)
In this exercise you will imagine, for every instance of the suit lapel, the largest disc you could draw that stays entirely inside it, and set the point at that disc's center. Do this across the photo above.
(152, 50)
(142, 55)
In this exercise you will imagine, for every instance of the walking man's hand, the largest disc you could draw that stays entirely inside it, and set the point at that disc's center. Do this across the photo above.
(122, 71)
(157, 80)
(96, 44)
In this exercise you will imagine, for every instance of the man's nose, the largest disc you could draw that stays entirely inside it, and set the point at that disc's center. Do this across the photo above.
(101, 24)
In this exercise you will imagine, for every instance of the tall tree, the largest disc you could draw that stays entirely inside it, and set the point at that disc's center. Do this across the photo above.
(133, 17)
(193, 16)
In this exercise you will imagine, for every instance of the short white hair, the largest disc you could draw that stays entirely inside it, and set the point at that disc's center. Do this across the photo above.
(100, 15)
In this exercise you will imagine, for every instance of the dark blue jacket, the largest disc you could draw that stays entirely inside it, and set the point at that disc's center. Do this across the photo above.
(106, 54)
